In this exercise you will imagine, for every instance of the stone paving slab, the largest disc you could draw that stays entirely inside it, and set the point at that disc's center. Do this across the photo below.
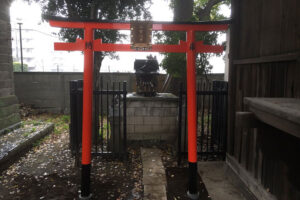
(219, 185)
(154, 177)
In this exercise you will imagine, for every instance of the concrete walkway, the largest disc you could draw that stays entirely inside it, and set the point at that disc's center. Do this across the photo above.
(221, 183)
(154, 177)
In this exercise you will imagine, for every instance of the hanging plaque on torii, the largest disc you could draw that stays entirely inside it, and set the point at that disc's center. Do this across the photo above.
(140, 41)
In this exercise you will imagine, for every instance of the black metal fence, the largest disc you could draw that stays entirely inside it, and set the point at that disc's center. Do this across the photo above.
(109, 119)
(211, 121)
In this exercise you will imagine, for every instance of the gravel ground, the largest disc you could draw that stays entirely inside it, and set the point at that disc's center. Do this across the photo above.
(48, 170)
(177, 176)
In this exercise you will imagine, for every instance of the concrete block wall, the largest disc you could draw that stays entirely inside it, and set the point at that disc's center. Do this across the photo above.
(9, 108)
(152, 118)
(49, 91)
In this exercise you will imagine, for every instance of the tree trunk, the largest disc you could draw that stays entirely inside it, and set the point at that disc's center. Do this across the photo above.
(183, 10)
(98, 58)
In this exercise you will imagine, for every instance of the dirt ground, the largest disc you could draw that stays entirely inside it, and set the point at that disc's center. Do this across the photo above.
(177, 176)
(48, 171)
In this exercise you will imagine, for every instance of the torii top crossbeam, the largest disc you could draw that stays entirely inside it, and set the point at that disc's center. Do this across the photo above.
(88, 45)
(97, 44)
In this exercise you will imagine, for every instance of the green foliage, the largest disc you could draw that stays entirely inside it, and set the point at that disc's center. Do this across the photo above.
(175, 63)
(17, 67)
(96, 9)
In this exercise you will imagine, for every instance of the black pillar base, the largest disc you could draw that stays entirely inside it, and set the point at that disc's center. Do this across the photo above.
(85, 182)
(192, 187)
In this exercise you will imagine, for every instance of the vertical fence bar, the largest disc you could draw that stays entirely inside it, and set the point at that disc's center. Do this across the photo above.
(72, 129)
(185, 125)
(113, 119)
(202, 120)
(208, 123)
(219, 115)
(101, 114)
(119, 123)
(225, 116)
(107, 121)
(124, 120)
(79, 101)
(179, 125)
(96, 120)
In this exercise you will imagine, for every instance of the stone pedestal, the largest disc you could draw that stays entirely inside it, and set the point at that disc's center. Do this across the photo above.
(152, 118)
(9, 108)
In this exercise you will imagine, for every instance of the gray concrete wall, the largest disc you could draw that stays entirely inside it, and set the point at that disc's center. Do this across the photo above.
(49, 91)
(8, 101)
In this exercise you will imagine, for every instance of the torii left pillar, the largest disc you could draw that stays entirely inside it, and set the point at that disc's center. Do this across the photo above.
(87, 112)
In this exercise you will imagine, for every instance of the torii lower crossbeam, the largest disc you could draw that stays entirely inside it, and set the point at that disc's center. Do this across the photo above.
(88, 45)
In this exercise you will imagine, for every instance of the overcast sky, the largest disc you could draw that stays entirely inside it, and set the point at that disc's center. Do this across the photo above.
(31, 18)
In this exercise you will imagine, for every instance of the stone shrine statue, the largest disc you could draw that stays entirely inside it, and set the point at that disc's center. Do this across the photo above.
(146, 76)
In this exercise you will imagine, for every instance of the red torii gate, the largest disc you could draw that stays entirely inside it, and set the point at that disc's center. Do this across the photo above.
(88, 45)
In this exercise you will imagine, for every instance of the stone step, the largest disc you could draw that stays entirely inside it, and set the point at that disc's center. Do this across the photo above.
(13, 145)
(221, 183)
(9, 120)
(8, 110)
(154, 177)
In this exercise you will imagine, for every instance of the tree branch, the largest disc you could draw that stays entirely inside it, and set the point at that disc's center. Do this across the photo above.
(204, 13)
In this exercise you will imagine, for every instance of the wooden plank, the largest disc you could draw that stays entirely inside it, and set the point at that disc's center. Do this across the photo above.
(243, 154)
(251, 152)
(278, 122)
(297, 24)
(234, 33)
(271, 27)
(255, 154)
(250, 28)
(288, 26)
(294, 56)
(254, 186)
(246, 120)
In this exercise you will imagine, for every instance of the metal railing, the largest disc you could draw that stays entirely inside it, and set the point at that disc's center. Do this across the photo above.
(211, 121)
(109, 119)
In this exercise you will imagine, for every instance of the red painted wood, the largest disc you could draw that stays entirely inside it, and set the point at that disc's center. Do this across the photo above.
(191, 98)
(87, 97)
(182, 47)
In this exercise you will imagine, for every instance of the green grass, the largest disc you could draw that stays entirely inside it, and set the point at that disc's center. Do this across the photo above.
(26, 134)
(106, 126)
(40, 141)
(65, 118)
(36, 123)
